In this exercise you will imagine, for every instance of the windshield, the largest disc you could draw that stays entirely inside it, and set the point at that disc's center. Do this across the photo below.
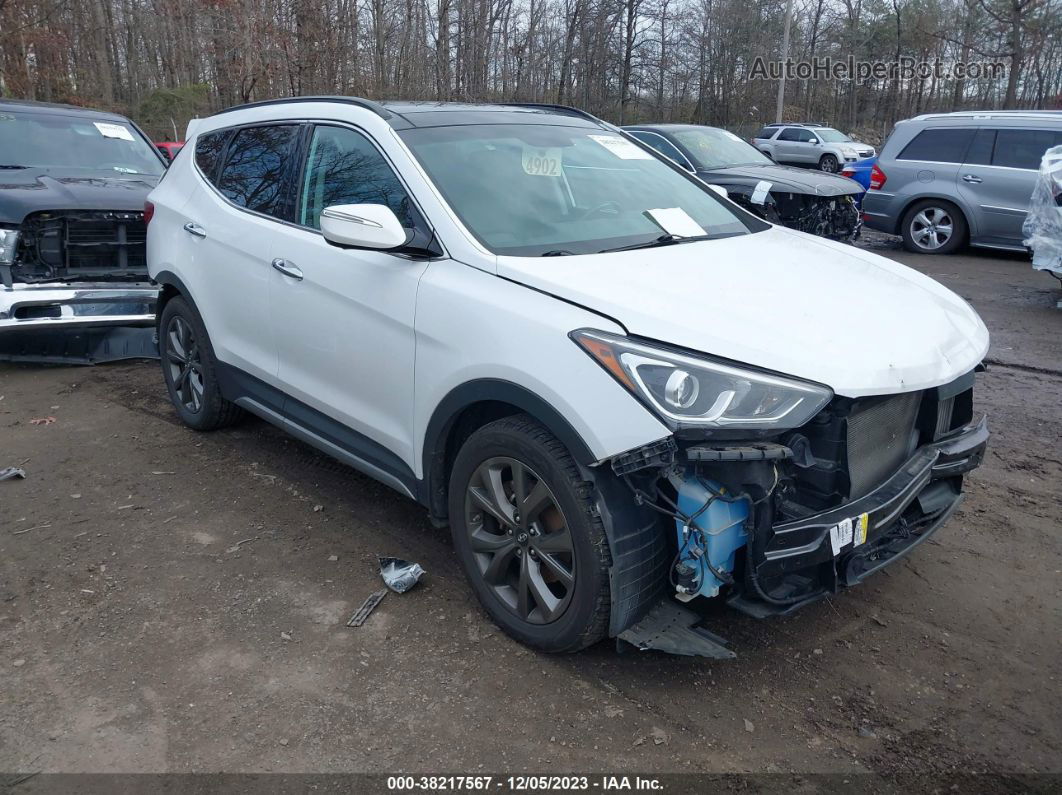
(45, 140)
(712, 148)
(533, 190)
(832, 136)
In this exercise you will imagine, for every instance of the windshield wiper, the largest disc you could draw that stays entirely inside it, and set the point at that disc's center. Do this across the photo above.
(557, 252)
(11, 165)
(670, 240)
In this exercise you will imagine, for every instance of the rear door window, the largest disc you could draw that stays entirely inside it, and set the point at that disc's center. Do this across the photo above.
(789, 134)
(766, 132)
(939, 145)
(255, 168)
(980, 153)
(1023, 148)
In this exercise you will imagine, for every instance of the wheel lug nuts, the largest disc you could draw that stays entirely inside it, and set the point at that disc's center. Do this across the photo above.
(519, 553)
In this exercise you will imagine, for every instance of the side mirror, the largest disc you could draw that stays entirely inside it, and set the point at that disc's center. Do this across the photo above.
(719, 190)
(362, 225)
(816, 141)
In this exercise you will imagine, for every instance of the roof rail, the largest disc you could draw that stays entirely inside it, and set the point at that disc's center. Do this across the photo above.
(990, 114)
(796, 124)
(368, 104)
(568, 109)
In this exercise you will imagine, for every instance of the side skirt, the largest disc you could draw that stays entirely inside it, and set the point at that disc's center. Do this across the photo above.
(317, 429)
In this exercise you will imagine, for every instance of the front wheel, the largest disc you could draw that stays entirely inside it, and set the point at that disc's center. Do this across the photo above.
(829, 164)
(528, 538)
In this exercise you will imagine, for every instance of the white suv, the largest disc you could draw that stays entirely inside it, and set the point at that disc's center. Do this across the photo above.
(810, 145)
(619, 389)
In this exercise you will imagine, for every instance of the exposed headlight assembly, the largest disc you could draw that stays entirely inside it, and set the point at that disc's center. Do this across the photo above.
(8, 248)
(693, 391)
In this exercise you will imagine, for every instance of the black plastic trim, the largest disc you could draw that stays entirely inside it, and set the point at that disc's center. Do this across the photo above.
(241, 387)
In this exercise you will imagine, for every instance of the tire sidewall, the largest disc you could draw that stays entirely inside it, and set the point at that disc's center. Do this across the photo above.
(958, 222)
(566, 631)
(828, 159)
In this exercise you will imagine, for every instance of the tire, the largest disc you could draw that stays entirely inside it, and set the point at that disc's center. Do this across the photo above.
(189, 369)
(830, 164)
(944, 221)
(542, 577)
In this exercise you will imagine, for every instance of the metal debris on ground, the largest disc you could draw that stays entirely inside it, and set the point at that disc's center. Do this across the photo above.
(366, 608)
(42, 420)
(399, 575)
(10, 473)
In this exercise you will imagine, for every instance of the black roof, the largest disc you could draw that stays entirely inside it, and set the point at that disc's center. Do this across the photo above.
(56, 108)
(404, 114)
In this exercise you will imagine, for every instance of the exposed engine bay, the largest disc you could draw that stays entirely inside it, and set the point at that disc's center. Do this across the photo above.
(772, 524)
(832, 217)
(59, 245)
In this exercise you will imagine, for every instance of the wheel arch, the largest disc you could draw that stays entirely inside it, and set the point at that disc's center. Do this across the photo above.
(172, 286)
(471, 406)
(637, 539)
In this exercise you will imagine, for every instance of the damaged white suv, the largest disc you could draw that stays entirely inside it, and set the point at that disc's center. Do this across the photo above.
(620, 390)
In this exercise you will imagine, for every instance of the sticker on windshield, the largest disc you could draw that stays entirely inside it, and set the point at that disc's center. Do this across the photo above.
(621, 147)
(759, 194)
(676, 221)
(113, 131)
(542, 162)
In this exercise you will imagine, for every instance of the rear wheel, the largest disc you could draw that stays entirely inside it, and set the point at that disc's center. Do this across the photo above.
(829, 164)
(190, 369)
(933, 227)
(528, 538)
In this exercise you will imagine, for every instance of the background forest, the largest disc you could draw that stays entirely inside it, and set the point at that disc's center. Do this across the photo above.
(165, 61)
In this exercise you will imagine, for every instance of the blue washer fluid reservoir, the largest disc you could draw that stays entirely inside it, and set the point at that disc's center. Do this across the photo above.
(719, 530)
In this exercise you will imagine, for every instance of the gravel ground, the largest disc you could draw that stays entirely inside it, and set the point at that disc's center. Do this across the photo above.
(174, 601)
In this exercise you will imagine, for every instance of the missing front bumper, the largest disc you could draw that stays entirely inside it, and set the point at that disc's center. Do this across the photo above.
(798, 562)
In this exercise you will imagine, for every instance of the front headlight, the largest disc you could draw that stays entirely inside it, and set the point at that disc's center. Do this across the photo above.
(695, 391)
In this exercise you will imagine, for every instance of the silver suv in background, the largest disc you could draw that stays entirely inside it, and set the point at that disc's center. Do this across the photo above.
(810, 144)
(943, 180)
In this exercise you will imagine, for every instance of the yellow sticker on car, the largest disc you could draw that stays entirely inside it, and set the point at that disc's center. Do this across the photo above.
(862, 523)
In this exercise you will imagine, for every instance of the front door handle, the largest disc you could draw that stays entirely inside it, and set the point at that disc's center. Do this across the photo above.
(971, 178)
(287, 269)
(194, 229)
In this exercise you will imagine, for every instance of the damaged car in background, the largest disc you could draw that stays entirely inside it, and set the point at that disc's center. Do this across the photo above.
(815, 202)
(73, 279)
(621, 391)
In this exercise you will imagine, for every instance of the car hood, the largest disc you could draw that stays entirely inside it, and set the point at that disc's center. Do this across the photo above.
(25, 191)
(782, 178)
(781, 300)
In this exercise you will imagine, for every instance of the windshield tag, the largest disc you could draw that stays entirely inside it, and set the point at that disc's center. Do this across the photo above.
(676, 221)
(542, 162)
(759, 194)
(621, 147)
(113, 131)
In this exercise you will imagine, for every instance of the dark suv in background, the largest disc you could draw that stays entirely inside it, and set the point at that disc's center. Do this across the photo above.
(73, 278)
(943, 180)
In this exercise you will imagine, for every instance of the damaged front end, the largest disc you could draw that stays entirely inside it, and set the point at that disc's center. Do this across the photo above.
(771, 524)
(833, 217)
(74, 288)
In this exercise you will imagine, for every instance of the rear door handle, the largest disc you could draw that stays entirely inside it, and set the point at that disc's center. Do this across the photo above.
(971, 178)
(287, 269)
(194, 229)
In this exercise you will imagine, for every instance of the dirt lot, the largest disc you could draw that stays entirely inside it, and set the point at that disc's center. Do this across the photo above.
(171, 601)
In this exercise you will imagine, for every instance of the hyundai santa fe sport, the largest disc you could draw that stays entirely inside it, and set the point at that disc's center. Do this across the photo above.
(621, 391)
